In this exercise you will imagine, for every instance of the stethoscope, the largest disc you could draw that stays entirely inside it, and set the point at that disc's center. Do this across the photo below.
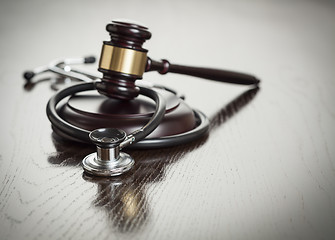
(122, 62)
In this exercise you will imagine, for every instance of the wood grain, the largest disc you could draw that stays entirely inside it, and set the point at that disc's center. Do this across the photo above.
(265, 171)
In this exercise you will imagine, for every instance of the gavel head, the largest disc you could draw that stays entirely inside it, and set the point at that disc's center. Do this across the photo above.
(122, 60)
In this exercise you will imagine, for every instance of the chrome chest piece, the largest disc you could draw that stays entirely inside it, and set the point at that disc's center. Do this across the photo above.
(108, 160)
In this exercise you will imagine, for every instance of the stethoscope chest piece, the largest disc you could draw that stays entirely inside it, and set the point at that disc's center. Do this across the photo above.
(108, 160)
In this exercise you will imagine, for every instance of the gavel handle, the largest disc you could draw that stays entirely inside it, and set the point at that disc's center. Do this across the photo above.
(165, 66)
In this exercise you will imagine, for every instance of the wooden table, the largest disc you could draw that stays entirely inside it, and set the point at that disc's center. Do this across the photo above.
(266, 169)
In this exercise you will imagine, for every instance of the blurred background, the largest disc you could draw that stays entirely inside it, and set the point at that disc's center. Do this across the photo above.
(270, 39)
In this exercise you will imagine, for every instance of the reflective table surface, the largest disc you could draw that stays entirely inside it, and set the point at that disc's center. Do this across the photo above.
(266, 170)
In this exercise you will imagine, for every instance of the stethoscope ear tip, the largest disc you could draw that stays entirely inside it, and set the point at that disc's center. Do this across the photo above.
(28, 75)
(90, 59)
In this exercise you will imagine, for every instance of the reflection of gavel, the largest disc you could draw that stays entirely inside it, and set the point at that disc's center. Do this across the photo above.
(123, 61)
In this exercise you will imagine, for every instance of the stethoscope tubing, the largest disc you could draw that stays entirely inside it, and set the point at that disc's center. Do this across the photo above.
(72, 132)
(83, 134)
(178, 139)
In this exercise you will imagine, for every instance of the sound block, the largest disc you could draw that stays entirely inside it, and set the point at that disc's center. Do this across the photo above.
(89, 110)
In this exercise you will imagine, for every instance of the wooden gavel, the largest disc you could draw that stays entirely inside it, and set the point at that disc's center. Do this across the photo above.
(123, 61)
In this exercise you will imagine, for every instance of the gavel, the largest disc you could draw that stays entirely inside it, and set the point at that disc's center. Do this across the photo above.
(123, 60)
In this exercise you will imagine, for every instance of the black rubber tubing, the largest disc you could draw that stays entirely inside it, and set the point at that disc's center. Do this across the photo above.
(77, 134)
(82, 134)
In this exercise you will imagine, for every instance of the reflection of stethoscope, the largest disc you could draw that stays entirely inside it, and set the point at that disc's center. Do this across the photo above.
(122, 61)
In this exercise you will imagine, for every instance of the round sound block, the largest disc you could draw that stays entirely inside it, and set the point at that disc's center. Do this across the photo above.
(89, 110)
